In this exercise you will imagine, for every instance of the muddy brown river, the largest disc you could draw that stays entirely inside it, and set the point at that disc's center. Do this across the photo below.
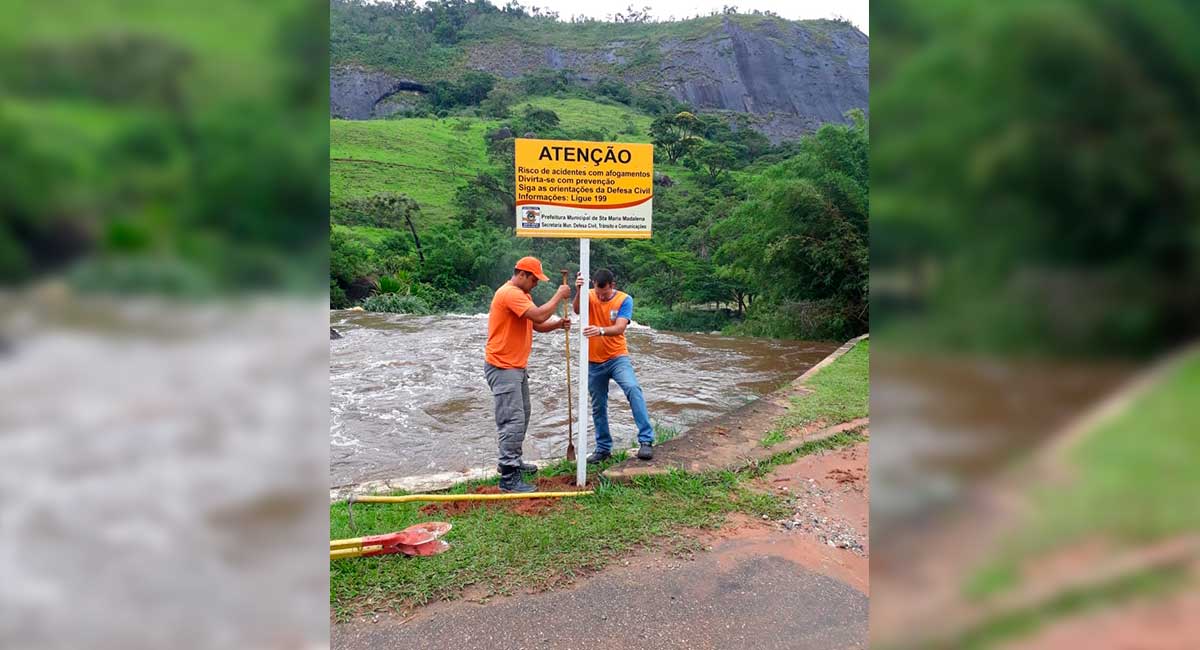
(408, 396)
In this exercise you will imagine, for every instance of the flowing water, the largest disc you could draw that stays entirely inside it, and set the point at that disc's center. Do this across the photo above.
(408, 395)
(162, 471)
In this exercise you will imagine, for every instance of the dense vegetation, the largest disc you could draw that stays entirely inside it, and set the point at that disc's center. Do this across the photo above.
(1035, 174)
(127, 168)
(781, 239)
(749, 237)
(427, 42)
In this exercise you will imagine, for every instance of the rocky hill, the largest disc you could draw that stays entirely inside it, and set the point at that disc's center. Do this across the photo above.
(790, 76)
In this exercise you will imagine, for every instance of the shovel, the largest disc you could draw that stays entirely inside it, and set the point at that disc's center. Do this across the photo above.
(570, 414)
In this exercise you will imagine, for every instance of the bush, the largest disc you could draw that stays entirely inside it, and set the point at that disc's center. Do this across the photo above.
(497, 103)
(397, 304)
(590, 135)
(614, 89)
(539, 120)
(547, 81)
(337, 296)
(139, 275)
(389, 284)
(683, 320)
(478, 301)
(470, 90)
(823, 320)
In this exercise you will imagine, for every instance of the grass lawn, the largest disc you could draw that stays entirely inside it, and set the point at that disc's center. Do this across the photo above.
(1133, 480)
(503, 552)
(1137, 476)
(841, 392)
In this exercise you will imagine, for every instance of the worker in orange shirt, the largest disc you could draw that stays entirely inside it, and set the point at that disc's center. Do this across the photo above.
(609, 313)
(511, 322)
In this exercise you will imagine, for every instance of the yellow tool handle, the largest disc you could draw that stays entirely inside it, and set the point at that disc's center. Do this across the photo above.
(351, 552)
(345, 543)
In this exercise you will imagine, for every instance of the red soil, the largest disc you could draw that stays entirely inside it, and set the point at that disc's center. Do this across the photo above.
(527, 507)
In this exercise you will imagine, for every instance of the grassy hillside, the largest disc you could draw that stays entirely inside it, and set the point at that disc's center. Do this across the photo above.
(429, 158)
(426, 158)
(614, 119)
(148, 147)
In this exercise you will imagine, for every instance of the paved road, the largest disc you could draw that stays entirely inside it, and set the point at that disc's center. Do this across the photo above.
(731, 597)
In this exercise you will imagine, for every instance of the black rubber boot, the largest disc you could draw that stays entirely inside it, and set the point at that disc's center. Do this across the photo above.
(528, 468)
(510, 481)
(598, 457)
(645, 451)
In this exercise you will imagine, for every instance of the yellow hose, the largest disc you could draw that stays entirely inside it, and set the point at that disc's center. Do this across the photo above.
(408, 498)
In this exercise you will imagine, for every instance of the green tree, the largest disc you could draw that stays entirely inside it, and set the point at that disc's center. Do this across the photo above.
(474, 87)
(802, 233)
(614, 89)
(498, 102)
(392, 209)
(662, 275)
(1054, 184)
(486, 199)
(547, 81)
(539, 119)
(675, 134)
(739, 283)
(350, 260)
(712, 159)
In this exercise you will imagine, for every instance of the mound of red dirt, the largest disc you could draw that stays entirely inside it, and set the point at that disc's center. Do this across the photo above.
(842, 476)
(528, 507)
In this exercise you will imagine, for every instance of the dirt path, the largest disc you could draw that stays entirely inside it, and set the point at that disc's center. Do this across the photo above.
(1170, 623)
(828, 531)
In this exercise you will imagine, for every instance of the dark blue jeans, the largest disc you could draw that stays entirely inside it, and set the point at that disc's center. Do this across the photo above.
(620, 370)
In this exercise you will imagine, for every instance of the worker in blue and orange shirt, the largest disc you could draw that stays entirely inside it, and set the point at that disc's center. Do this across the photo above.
(511, 323)
(609, 313)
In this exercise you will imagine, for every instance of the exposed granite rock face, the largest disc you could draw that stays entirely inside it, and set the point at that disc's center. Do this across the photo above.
(790, 76)
(358, 94)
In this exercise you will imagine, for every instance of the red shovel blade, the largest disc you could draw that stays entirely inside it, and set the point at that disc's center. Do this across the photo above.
(418, 534)
(426, 549)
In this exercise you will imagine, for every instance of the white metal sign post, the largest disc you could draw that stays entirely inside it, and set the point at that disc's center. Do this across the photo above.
(588, 190)
(581, 442)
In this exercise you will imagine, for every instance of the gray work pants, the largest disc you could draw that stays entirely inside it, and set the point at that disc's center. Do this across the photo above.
(510, 393)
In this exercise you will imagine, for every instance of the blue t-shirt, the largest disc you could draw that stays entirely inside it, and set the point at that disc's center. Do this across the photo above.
(626, 310)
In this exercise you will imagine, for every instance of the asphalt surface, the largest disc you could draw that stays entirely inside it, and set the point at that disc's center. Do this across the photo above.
(717, 600)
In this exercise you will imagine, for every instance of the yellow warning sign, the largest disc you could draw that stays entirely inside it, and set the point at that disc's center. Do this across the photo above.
(591, 190)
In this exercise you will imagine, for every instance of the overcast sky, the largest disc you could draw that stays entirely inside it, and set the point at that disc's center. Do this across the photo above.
(856, 11)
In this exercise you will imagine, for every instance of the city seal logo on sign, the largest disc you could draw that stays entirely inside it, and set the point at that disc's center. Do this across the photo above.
(531, 216)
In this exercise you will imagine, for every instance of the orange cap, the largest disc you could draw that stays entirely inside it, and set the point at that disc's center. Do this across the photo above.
(533, 265)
